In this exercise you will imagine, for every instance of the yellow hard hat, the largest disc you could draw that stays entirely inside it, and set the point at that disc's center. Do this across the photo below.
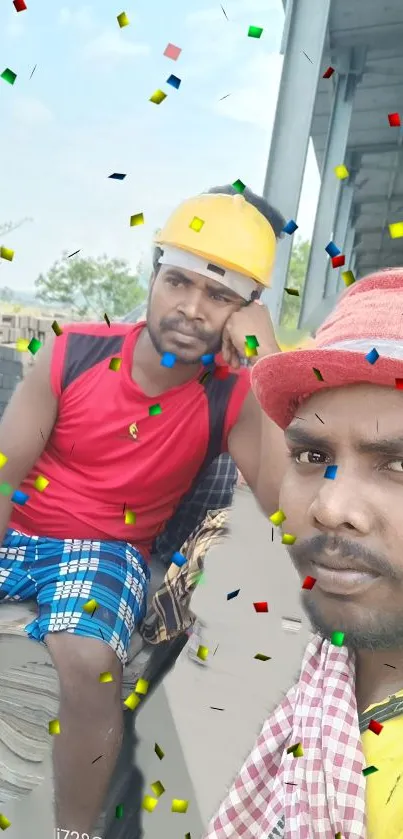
(226, 230)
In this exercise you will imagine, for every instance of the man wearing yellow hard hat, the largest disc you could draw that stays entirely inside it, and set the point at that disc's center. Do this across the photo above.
(124, 419)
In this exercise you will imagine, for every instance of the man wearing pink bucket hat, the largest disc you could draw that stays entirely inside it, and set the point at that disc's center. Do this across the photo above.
(329, 760)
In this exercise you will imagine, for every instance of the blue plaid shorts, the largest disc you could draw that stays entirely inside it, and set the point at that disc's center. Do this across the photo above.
(64, 574)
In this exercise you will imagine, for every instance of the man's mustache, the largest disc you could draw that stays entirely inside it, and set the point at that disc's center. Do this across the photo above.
(182, 326)
(311, 550)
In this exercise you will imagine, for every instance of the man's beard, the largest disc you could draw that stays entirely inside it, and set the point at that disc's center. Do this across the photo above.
(212, 343)
(380, 632)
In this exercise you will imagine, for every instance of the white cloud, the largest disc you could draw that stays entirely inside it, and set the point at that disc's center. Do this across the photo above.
(31, 111)
(82, 19)
(255, 102)
(112, 45)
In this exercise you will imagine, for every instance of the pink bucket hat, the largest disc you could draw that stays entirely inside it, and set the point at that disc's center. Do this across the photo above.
(366, 323)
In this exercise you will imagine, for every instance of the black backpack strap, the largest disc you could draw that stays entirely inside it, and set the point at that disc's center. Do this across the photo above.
(218, 393)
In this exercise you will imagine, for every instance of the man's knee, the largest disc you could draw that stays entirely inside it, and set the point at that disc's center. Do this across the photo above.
(89, 670)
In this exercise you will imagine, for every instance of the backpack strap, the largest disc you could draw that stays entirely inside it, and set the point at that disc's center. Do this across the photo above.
(218, 393)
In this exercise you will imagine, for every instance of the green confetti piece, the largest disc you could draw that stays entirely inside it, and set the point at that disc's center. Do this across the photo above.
(9, 76)
(115, 364)
(252, 341)
(154, 410)
(292, 291)
(119, 811)
(157, 788)
(369, 770)
(34, 345)
(239, 186)
(262, 657)
(255, 32)
(318, 374)
(6, 489)
(158, 751)
(337, 639)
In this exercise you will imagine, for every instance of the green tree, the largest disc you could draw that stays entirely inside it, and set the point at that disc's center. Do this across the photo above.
(8, 226)
(295, 280)
(91, 287)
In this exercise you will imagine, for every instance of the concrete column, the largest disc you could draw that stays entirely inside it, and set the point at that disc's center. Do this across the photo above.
(348, 253)
(340, 236)
(292, 125)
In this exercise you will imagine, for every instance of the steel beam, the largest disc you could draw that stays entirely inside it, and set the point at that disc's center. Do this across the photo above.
(340, 235)
(377, 199)
(295, 105)
(348, 253)
(386, 36)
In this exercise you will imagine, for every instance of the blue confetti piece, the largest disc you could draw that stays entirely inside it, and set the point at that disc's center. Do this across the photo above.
(174, 81)
(332, 249)
(207, 359)
(178, 559)
(168, 359)
(372, 356)
(290, 227)
(233, 594)
(330, 472)
(19, 497)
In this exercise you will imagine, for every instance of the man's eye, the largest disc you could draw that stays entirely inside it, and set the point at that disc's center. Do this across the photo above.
(309, 456)
(395, 463)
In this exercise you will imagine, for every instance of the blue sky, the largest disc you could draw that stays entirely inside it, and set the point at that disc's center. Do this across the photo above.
(85, 113)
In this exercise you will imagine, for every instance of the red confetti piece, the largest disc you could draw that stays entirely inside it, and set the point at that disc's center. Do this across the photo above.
(338, 261)
(262, 606)
(221, 372)
(19, 5)
(394, 120)
(399, 384)
(329, 72)
(309, 583)
(375, 727)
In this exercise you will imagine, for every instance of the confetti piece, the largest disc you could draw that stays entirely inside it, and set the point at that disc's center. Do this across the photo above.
(157, 788)
(19, 497)
(338, 835)
(132, 701)
(158, 751)
(348, 278)
(105, 677)
(225, 13)
(309, 583)
(123, 20)
(202, 652)
(5, 489)
(142, 686)
(239, 186)
(117, 176)
(179, 805)
(119, 811)
(196, 224)
(168, 359)
(7, 253)
(337, 639)
(369, 770)
(249, 352)
(3, 460)
(54, 727)
(149, 803)
(296, 751)
(318, 374)
(288, 539)
(178, 559)
(332, 249)
(277, 518)
(319, 418)
(330, 472)
(19, 5)
(154, 410)
(399, 384)
(174, 81)
(207, 359)
(97, 758)
(261, 606)
(4, 822)
(338, 261)
(292, 291)
(115, 364)
(291, 624)
(341, 172)
(41, 483)
(130, 517)
(8, 76)
(252, 341)
(372, 356)
(34, 345)
(56, 328)
(394, 120)
(33, 71)
(233, 594)
(187, 835)
(137, 219)
(255, 32)
(107, 319)
(262, 657)
(221, 372)
(214, 708)
(396, 230)
(224, 97)
(74, 253)
(290, 227)
(90, 606)
(204, 377)
(158, 97)
(329, 72)
(171, 51)
(375, 727)
(389, 665)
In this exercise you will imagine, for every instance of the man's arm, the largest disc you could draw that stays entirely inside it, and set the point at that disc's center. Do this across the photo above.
(26, 426)
(258, 448)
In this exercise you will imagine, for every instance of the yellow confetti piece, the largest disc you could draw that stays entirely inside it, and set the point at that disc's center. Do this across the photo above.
(338, 835)
(348, 278)
(288, 539)
(196, 224)
(149, 803)
(157, 788)
(250, 351)
(7, 253)
(123, 20)
(56, 328)
(4, 822)
(142, 687)
(22, 344)
(105, 677)
(130, 517)
(277, 518)
(296, 751)
(54, 727)
(158, 97)
(132, 701)
(40, 483)
(115, 364)
(3, 460)
(202, 653)
(158, 751)
(89, 606)
(137, 219)
(341, 172)
(179, 805)
(396, 230)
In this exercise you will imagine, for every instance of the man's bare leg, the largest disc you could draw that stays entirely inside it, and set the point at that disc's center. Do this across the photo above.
(91, 726)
